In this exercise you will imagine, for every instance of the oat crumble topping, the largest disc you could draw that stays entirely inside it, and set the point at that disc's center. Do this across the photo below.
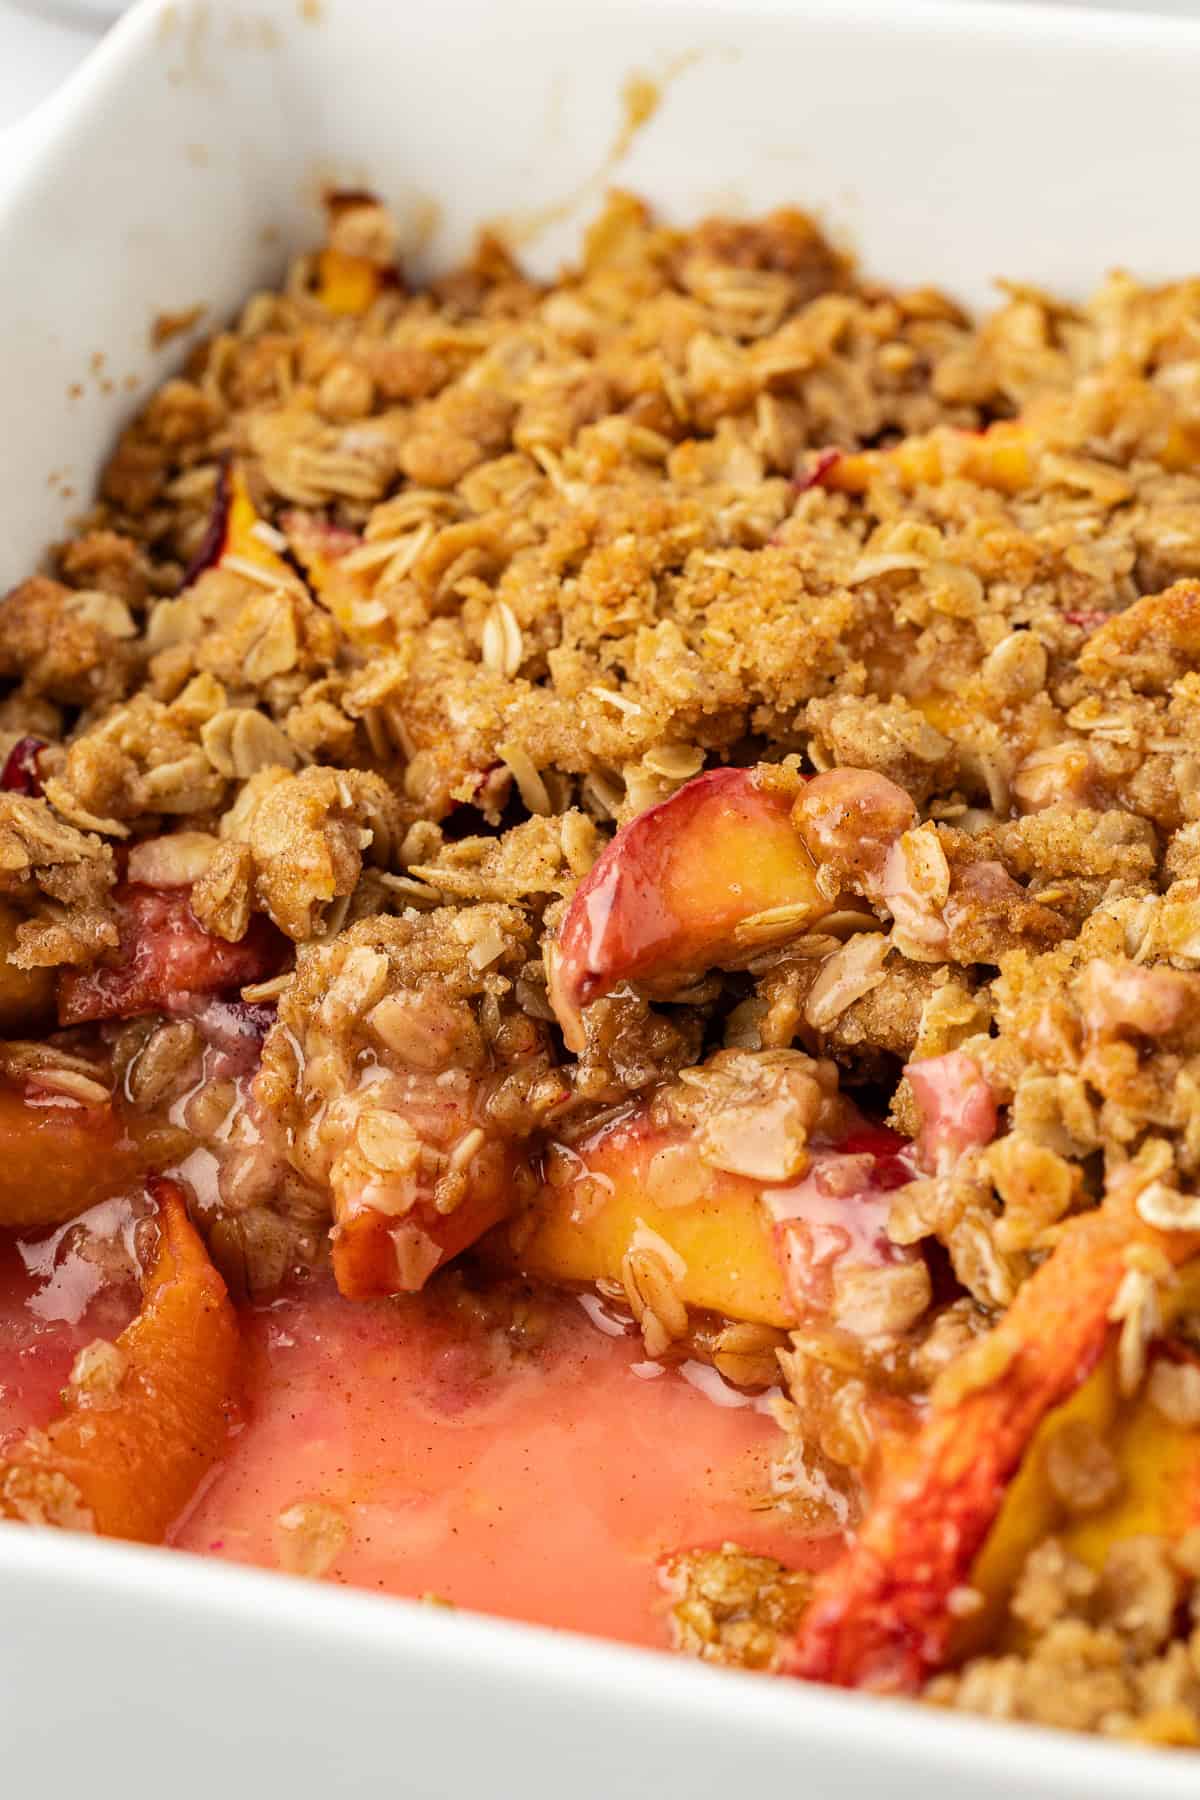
(330, 744)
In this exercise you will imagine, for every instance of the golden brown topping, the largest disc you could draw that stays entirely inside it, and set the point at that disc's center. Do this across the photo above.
(1151, 644)
(732, 1607)
(1098, 1656)
(413, 619)
(66, 645)
(309, 836)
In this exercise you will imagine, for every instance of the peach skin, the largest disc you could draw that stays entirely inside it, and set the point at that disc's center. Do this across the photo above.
(684, 887)
(882, 1617)
(165, 956)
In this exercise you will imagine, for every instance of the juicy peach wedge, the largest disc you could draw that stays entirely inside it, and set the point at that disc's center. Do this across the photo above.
(59, 1156)
(146, 1422)
(244, 538)
(321, 550)
(680, 888)
(376, 1254)
(631, 1177)
(1156, 1460)
(165, 957)
(760, 1251)
(883, 1616)
(419, 1174)
(235, 532)
(1004, 456)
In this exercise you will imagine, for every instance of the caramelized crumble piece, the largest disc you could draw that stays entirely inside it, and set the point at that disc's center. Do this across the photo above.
(731, 1607)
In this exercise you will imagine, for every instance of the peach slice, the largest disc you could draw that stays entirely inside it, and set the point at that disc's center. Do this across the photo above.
(58, 1156)
(767, 1252)
(399, 1082)
(684, 887)
(146, 1420)
(1003, 456)
(321, 549)
(235, 533)
(1156, 1459)
(883, 1616)
(957, 1107)
(246, 533)
(419, 1174)
(376, 1254)
(165, 957)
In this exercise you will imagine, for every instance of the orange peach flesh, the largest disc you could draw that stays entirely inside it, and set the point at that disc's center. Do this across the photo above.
(58, 1157)
(882, 1617)
(671, 891)
(1003, 456)
(320, 551)
(242, 539)
(1159, 1462)
(347, 285)
(630, 1177)
(135, 1456)
(1159, 1494)
(375, 1254)
(756, 1251)
(441, 1177)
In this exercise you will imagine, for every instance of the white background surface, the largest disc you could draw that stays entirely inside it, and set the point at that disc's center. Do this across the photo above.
(41, 41)
(39, 45)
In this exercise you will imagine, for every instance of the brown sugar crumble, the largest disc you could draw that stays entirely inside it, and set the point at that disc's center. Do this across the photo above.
(545, 771)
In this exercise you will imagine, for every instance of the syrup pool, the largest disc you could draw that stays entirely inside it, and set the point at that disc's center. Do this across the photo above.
(58, 1292)
(538, 1483)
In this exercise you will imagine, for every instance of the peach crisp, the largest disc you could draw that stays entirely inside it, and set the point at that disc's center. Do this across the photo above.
(600, 978)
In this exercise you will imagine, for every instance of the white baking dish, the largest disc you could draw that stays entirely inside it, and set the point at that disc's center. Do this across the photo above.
(952, 142)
